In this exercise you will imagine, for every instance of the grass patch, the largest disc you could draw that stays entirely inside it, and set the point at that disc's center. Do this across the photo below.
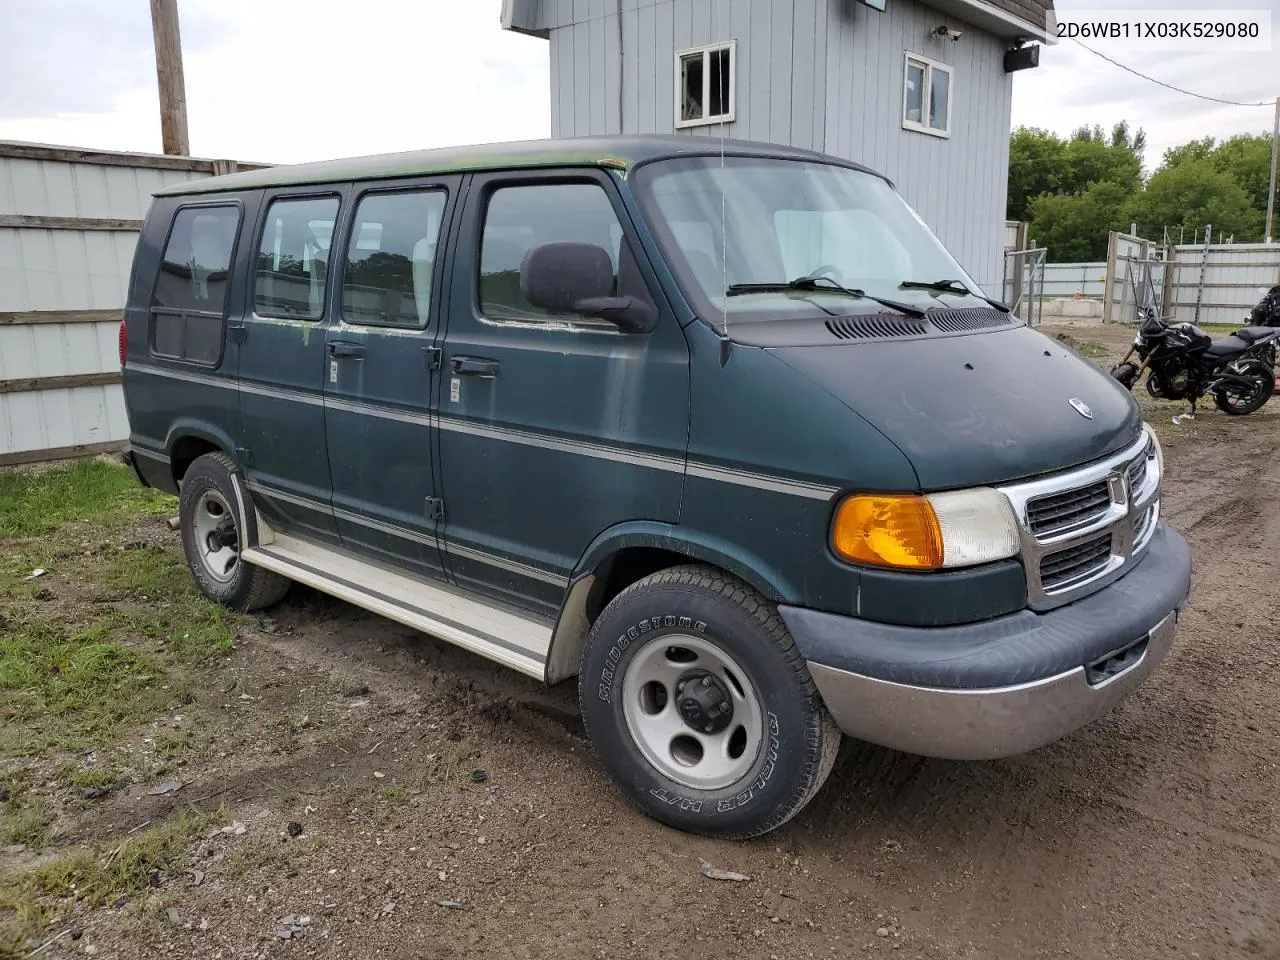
(28, 825)
(450, 765)
(81, 778)
(69, 688)
(74, 685)
(24, 818)
(171, 609)
(126, 869)
(1086, 348)
(34, 503)
(93, 879)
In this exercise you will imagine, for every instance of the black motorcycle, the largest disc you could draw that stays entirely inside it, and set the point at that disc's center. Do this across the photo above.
(1185, 363)
(1267, 312)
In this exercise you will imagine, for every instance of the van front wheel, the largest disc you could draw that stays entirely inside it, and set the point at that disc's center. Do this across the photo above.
(212, 539)
(699, 705)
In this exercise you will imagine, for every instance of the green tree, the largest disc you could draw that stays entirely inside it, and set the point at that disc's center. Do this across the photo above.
(1191, 194)
(1191, 150)
(1248, 159)
(1037, 165)
(1092, 161)
(1077, 227)
(1041, 162)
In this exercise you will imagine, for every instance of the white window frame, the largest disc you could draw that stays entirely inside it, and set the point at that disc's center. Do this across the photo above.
(927, 94)
(705, 51)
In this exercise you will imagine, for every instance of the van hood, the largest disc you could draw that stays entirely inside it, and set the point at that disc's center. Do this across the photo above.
(979, 409)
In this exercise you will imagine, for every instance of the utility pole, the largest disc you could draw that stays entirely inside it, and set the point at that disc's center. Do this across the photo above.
(173, 95)
(1271, 194)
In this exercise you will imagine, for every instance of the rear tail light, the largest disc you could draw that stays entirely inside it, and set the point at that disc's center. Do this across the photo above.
(124, 344)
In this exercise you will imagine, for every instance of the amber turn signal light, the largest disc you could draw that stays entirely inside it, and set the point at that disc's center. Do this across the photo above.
(888, 531)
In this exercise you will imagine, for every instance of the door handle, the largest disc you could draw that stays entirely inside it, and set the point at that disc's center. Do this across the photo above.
(475, 367)
(343, 348)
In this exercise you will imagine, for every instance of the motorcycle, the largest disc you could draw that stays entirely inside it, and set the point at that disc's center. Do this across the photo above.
(1267, 311)
(1185, 363)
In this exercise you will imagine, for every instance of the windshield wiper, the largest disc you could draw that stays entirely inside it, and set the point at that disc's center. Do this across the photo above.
(950, 286)
(825, 285)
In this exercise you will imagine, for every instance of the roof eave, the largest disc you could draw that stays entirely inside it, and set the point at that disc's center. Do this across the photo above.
(521, 16)
(992, 19)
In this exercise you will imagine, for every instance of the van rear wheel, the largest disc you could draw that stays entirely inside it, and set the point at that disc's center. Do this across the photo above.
(699, 705)
(212, 539)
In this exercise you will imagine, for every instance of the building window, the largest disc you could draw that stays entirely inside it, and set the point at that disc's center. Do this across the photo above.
(705, 84)
(926, 98)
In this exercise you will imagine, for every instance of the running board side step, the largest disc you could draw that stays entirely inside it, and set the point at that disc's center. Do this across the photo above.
(498, 634)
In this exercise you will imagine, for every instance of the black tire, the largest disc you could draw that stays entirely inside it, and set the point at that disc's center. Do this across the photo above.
(1266, 380)
(246, 587)
(1126, 373)
(799, 739)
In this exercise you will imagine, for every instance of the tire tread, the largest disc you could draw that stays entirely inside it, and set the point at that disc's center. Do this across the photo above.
(266, 587)
(822, 739)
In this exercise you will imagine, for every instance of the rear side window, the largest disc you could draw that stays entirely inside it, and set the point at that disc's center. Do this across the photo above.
(390, 259)
(291, 274)
(189, 303)
(520, 218)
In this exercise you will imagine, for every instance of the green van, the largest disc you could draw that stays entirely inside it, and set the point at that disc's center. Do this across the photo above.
(720, 429)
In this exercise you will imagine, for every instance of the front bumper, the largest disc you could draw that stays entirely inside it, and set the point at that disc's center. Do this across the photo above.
(1002, 687)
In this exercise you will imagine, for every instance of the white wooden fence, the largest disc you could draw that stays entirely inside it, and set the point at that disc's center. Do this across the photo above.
(69, 220)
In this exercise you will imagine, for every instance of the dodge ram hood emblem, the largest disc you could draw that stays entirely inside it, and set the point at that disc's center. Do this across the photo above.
(1081, 408)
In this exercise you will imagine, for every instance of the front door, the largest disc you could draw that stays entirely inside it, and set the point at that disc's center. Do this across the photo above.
(283, 361)
(381, 360)
(553, 429)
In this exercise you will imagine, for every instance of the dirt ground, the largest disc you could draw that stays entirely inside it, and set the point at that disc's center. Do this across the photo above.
(1154, 833)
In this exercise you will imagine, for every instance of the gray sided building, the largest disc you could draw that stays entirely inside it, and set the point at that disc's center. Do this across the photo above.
(892, 88)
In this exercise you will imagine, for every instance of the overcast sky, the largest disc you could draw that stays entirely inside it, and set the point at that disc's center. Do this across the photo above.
(262, 82)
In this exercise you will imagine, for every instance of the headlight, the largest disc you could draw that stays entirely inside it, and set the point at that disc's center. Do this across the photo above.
(942, 530)
(1159, 450)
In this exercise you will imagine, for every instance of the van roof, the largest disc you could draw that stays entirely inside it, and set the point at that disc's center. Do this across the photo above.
(621, 153)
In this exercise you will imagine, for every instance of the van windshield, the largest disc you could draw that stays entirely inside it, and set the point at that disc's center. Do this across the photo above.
(748, 220)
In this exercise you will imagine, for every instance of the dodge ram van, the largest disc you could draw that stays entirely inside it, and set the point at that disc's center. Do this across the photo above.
(722, 430)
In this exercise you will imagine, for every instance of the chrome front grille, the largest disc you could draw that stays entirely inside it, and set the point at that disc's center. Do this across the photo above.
(1137, 473)
(1069, 510)
(1064, 569)
(1085, 528)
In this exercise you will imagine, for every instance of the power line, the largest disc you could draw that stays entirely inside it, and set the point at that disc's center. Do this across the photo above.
(1169, 86)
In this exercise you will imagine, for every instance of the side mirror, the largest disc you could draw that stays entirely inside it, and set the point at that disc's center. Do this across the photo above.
(578, 278)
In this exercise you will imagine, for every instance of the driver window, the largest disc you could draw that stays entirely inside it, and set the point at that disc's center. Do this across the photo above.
(518, 219)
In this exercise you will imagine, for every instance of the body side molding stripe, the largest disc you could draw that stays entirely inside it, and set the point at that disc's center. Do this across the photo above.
(696, 468)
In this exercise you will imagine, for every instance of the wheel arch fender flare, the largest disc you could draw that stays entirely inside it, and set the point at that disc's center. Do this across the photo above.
(574, 623)
(189, 427)
(193, 427)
